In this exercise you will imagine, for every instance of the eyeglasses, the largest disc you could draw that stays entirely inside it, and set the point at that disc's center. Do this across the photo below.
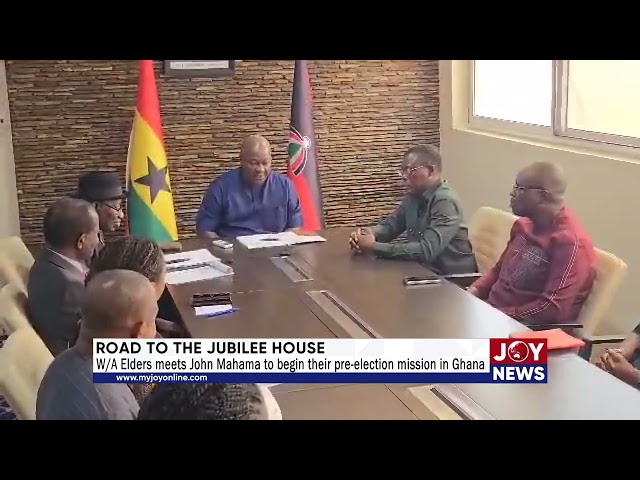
(405, 172)
(115, 209)
(517, 189)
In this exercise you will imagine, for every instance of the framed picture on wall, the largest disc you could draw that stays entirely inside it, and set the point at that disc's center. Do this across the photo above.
(199, 68)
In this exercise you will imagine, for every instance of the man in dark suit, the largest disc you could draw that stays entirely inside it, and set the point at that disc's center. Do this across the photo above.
(104, 190)
(56, 280)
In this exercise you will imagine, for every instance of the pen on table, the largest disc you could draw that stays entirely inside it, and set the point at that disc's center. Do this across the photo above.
(213, 315)
(182, 268)
(177, 260)
(212, 263)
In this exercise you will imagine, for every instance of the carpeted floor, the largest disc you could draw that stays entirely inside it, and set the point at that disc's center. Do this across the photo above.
(5, 410)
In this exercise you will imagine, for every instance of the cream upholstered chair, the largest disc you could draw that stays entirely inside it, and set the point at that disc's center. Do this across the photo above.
(489, 232)
(15, 262)
(610, 273)
(24, 360)
(13, 308)
(10, 273)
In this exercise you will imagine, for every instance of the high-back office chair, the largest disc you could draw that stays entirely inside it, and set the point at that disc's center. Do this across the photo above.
(24, 360)
(489, 232)
(13, 309)
(15, 262)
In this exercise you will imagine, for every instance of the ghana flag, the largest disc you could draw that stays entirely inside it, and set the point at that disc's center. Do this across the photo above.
(150, 202)
(303, 166)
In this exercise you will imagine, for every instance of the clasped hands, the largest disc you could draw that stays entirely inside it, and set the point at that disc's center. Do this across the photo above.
(614, 362)
(362, 240)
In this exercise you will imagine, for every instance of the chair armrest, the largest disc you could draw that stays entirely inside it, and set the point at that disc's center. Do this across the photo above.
(550, 326)
(602, 339)
(462, 280)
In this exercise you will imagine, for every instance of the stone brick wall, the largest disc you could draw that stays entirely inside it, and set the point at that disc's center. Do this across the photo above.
(71, 116)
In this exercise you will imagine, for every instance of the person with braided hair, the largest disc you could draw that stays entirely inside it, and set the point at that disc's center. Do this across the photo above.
(146, 258)
(210, 401)
(142, 256)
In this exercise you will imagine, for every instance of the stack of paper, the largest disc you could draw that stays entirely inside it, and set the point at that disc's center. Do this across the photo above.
(266, 240)
(186, 267)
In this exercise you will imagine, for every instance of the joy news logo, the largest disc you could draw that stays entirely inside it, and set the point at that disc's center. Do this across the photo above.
(518, 361)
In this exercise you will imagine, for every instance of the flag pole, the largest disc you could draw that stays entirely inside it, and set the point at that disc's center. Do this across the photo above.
(303, 157)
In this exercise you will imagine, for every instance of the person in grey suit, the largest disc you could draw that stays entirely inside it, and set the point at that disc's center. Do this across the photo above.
(56, 280)
(117, 304)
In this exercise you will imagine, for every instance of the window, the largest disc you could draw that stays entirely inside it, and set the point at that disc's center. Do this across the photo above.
(603, 98)
(597, 100)
(514, 90)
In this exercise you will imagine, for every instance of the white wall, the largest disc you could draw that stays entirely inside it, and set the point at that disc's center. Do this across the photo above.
(9, 219)
(604, 190)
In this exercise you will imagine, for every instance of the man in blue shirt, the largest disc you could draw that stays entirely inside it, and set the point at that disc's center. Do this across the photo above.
(251, 199)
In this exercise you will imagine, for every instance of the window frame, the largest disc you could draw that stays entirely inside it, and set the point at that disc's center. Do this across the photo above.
(558, 128)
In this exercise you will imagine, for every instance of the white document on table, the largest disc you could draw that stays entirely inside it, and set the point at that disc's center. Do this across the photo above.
(195, 274)
(205, 265)
(189, 258)
(267, 240)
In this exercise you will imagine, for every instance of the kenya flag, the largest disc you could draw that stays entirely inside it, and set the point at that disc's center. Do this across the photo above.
(303, 165)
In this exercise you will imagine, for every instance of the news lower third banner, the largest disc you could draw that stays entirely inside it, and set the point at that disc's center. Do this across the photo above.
(320, 361)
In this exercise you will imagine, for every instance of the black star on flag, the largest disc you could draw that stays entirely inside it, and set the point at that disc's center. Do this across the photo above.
(156, 180)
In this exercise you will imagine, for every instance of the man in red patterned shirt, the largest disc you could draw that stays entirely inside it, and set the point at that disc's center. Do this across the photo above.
(547, 270)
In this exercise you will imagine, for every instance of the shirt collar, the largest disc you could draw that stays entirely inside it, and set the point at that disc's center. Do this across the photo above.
(428, 193)
(79, 265)
(250, 186)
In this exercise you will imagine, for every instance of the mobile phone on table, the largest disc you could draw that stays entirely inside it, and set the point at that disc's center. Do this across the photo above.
(207, 299)
(422, 280)
(221, 244)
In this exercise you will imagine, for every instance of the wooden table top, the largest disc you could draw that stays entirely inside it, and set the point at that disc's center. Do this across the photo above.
(274, 303)
(260, 314)
(343, 402)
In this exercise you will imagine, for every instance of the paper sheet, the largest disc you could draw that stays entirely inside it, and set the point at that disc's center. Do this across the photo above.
(267, 240)
(212, 309)
(214, 269)
(189, 258)
(194, 275)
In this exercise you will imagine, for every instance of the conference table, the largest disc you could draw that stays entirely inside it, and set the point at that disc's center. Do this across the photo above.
(323, 290)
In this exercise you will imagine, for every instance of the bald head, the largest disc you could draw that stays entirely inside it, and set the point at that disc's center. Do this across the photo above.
(254, 143)
(66, 220)
(255, 159)
(119, 304)
(543, 175)
(539, 191)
